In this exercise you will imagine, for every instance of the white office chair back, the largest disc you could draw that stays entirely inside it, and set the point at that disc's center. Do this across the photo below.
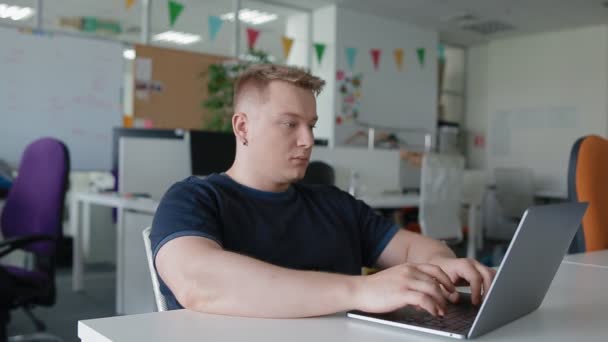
(161, 303)
(441, 196)
(474, 185)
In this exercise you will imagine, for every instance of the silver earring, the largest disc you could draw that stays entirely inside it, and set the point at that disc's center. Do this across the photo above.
(245, 143)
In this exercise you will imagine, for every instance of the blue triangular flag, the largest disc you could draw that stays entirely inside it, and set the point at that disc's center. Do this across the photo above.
(351, 53)
(441, 51)
(215, 24)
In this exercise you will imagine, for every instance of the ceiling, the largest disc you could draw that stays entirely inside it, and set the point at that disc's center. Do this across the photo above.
(445, 16)
(526, 16)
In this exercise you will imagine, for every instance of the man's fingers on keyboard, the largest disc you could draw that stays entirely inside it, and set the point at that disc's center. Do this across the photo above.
(431, 289)
(424, 301)
(439, 275)
(453, 297)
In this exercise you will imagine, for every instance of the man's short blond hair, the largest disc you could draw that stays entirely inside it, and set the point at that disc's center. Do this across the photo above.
(258, 76)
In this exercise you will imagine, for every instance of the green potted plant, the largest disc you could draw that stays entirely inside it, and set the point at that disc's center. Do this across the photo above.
(220, 80)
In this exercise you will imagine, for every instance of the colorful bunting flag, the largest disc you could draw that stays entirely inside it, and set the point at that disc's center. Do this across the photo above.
(351, 54)
(175, 9)
(421, 52)
(215, 24)
(340, 75)
(398, 53)
(319, 49)
(287, 43)
(129, 3)
(441, 51)
(375, 57)
(252, 37)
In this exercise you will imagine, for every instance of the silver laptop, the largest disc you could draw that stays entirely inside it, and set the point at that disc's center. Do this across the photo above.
(520, 284)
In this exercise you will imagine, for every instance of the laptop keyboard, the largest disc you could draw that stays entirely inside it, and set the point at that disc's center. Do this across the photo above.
(458, 317)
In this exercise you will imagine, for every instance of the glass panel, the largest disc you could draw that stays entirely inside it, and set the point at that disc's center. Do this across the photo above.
(18, 13)
(194, 21)
(452, 108)
(109, 18)
(274, 22)
(454, 69)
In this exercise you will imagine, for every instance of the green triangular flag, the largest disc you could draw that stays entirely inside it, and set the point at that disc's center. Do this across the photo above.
(175, 9)
(421, 52)
(320, 49)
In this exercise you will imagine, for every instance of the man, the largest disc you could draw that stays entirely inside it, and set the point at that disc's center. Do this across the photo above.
(253, 242)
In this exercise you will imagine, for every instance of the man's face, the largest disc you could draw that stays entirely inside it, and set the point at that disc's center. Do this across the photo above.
(280, 133)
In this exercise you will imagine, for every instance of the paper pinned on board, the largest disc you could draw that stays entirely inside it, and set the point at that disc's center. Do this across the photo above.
(143, 75)
(143, 69)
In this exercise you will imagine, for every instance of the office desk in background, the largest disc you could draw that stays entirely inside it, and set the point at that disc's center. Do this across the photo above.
(80, 221)
(573, 310)
(474, 240)
(391, 201)
(594, 259)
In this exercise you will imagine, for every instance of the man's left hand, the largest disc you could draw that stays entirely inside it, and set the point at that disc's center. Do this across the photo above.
(470, 271)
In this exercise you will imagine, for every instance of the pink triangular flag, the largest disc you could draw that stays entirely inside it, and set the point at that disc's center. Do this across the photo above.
(376, 57)
(252, 37)
(340, 75)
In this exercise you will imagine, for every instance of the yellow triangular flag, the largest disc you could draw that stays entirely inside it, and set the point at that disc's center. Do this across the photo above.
(287, 43)
(399, 58)
(129, 3)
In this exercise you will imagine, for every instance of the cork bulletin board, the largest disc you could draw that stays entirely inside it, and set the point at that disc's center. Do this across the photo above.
(168, 89)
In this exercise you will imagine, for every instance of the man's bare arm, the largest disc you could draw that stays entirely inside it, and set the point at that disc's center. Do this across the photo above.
(205, 278)
(414, 248)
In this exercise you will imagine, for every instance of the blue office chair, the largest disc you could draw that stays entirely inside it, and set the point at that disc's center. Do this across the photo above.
(32, 221)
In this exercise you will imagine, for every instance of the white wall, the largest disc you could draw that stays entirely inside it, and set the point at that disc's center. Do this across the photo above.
(128, 91)
(476, 118)
(539, 94)
(297, 28)
(324, 31)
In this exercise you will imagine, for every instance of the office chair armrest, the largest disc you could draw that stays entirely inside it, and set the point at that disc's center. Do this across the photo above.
(9, 245)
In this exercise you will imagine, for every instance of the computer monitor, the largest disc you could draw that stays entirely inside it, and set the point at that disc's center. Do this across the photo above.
(321, 142)
(211, 152)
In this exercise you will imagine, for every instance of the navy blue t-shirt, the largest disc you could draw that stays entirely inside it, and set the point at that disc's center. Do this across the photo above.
(307, 227)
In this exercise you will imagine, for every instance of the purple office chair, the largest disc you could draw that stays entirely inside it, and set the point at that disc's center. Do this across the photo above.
(32, 221)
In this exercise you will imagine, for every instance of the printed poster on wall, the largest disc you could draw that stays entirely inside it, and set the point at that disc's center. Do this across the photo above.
(349, 86)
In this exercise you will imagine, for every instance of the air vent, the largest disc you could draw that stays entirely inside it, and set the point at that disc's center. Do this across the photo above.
(488, 27)
(463, 18)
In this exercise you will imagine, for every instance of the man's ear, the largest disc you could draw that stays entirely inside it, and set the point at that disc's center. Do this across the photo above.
(240, 124)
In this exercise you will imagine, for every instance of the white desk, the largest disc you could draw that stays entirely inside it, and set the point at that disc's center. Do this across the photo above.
(80, 220)
(573, 310)
(391, 201)
(594, 259)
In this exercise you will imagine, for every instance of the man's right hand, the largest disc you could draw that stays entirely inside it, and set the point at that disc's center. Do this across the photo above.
(418, 285)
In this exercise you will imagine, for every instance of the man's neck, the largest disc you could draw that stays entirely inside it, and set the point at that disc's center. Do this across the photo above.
(251, 179)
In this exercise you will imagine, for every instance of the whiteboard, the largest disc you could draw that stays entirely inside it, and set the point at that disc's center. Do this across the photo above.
(536, 137)
(63, 87)
(391, 98)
